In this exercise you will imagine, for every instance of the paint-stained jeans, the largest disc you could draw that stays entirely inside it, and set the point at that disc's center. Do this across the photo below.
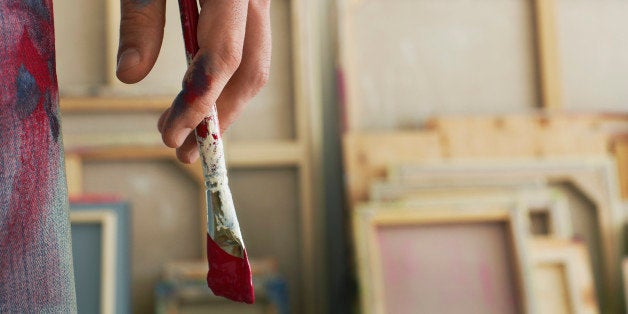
(36, 273)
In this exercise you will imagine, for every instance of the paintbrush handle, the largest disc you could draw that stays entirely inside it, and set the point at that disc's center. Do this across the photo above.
(222, 221)
(229, 273)
(208, 131)
(189, 21)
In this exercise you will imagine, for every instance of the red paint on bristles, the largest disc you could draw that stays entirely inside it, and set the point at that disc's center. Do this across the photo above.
(228, 276)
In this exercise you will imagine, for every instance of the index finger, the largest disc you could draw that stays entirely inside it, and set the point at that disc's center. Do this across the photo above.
(221, 29)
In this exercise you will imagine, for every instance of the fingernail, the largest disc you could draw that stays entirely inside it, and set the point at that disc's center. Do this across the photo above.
(180, 136)
(128, 59)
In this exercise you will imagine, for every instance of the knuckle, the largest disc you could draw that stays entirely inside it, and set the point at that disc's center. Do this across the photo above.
(230, 57)
(258, 78)
(199, 109)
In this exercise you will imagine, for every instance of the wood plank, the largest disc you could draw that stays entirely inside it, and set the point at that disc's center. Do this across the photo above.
(114, 104)
(368, 155)
(238, 155)
(621, 153)
(520, 136)
(112, 31)
(573, 291)
(308, 128)
(547, 47)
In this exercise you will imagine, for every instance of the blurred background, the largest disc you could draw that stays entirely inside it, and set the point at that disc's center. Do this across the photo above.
(425, 156)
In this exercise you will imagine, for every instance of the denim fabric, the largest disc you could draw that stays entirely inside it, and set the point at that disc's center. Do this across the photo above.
(36, 274)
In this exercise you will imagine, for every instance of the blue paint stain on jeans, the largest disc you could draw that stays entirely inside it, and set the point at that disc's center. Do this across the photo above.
(53, 117)
(28, 93)
(38, 7)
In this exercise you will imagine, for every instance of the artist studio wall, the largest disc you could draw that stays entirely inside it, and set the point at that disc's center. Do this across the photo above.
(595, 77)
(112, 146)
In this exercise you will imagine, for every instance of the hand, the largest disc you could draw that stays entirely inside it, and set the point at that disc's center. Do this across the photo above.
(230, 68)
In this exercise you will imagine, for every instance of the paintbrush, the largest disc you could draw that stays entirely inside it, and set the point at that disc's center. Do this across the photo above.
(229, 272)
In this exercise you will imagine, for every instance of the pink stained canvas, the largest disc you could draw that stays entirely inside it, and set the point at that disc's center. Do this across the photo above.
(447, 268)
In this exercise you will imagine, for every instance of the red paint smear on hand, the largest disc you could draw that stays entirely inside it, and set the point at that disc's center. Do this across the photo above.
(229, 276)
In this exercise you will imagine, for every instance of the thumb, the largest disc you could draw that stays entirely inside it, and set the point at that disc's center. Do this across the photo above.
(141, 34)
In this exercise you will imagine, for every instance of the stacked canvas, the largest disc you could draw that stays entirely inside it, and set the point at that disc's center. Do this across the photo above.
(487, 235)
(475, 180)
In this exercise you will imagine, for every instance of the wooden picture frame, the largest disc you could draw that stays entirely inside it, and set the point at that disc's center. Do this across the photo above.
(368, 217)
(104, 154)
(121, 211)
(533, 199)
(544, 50)
(594, 178)
(576, 289)
(107, 220)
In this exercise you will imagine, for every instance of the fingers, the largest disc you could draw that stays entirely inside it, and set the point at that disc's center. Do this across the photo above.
(188, 151)
(250, 76)
(162, 118)
(221, 38)
(141, 35)
(254, 69)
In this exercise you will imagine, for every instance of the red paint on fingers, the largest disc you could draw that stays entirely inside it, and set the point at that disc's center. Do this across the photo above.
(229, 276)
(196, 84)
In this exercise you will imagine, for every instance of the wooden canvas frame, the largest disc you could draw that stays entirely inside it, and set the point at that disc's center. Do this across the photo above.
(594, 177)
(368, 155)
(266, 159)
(364, 162)
(530, 199)
(368, 216)
(120, 209)
(574, 259)
(107, 220)
(545, 41)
